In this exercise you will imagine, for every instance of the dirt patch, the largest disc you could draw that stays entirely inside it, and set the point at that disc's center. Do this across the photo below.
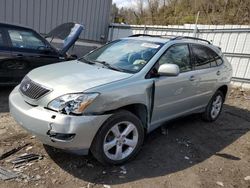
(190, 153)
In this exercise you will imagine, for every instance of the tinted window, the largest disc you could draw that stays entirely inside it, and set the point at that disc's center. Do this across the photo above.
(201, 58)
(179, 55)
(25, 39)
(216, 58)
(204, 57)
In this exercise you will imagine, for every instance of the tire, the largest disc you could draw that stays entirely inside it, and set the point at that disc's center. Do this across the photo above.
(122, 137)
(214, 108)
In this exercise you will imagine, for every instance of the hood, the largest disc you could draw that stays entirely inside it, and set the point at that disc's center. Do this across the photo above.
(74, 76)
(68, 32)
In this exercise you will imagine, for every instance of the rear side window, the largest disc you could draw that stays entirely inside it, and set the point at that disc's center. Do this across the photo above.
(204, 57)
(25, 39)
(216, 58)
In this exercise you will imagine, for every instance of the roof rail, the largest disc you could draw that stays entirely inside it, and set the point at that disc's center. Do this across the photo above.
(193, 38)
(147, 35)
(141, 35)
(174, 37)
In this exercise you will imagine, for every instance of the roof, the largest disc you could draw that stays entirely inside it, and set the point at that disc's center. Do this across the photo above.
(14, 26)
(150, 39)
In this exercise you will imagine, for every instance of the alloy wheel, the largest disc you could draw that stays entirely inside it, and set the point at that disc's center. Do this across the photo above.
(120, 141)
(216, 106)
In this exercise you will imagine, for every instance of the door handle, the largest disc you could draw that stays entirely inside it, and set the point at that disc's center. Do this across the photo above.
(218, 73)
(192, 78)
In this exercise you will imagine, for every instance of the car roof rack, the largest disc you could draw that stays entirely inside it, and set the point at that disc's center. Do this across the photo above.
(174, 37)
(193, 38)
(147, 35)
(143, 35)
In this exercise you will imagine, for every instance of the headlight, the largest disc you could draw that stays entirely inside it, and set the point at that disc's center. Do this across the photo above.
(72, 103)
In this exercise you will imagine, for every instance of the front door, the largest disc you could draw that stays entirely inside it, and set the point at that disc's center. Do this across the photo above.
(174, 96)
(29, 51)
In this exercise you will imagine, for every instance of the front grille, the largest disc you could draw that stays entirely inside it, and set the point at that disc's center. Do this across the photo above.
(32, 89)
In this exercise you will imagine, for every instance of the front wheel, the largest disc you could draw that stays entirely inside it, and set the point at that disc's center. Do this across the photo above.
(119, 139)
(214, 107)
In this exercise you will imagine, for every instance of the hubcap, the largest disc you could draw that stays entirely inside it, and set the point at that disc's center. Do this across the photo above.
(120, 141)
(216, 106)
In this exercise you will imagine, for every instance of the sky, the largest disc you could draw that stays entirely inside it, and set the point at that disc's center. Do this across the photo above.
(124, 3)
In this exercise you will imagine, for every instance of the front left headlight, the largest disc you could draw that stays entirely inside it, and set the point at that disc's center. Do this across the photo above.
(74, 103)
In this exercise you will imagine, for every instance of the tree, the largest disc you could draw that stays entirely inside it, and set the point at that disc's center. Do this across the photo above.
(164, 12)
(153, 8)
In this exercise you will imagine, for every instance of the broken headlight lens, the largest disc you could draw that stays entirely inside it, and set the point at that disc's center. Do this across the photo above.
(72, 103)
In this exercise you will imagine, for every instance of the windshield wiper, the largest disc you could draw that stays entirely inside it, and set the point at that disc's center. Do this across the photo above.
(82, 59)
(109, 66)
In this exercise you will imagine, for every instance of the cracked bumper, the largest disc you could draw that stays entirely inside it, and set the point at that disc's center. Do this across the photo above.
(45, 124)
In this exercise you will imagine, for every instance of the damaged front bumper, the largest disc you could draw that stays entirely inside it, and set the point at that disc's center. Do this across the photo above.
(73, 133)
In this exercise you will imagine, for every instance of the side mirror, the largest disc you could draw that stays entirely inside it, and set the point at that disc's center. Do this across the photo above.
(168, 70)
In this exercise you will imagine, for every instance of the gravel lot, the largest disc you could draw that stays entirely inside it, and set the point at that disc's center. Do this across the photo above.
(191, 153)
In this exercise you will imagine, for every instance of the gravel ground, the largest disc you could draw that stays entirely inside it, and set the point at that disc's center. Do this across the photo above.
(190, 153)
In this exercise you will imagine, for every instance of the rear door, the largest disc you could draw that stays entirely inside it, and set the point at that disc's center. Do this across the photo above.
(205, 64)
(174, 96)
(29, 51)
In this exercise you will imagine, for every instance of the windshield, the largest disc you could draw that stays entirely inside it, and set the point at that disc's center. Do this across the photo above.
(128, 55)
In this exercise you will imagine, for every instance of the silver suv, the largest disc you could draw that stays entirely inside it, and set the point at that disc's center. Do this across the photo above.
(106, 101)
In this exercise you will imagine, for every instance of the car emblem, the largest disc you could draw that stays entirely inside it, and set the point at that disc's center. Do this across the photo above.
(26, 87)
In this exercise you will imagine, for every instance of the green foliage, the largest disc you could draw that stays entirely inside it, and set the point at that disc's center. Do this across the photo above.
(169, 12)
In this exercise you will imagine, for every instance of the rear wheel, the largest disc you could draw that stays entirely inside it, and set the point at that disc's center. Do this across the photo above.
(119, 139)
(214, 107)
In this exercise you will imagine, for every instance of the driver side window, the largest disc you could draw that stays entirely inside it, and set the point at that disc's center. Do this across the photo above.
(25, 40)
(179, 55)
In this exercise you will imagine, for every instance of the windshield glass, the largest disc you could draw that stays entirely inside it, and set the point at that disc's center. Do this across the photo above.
(128, 55)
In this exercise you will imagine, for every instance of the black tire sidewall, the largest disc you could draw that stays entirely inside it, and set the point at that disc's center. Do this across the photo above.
(97, 145)
(207, 115)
